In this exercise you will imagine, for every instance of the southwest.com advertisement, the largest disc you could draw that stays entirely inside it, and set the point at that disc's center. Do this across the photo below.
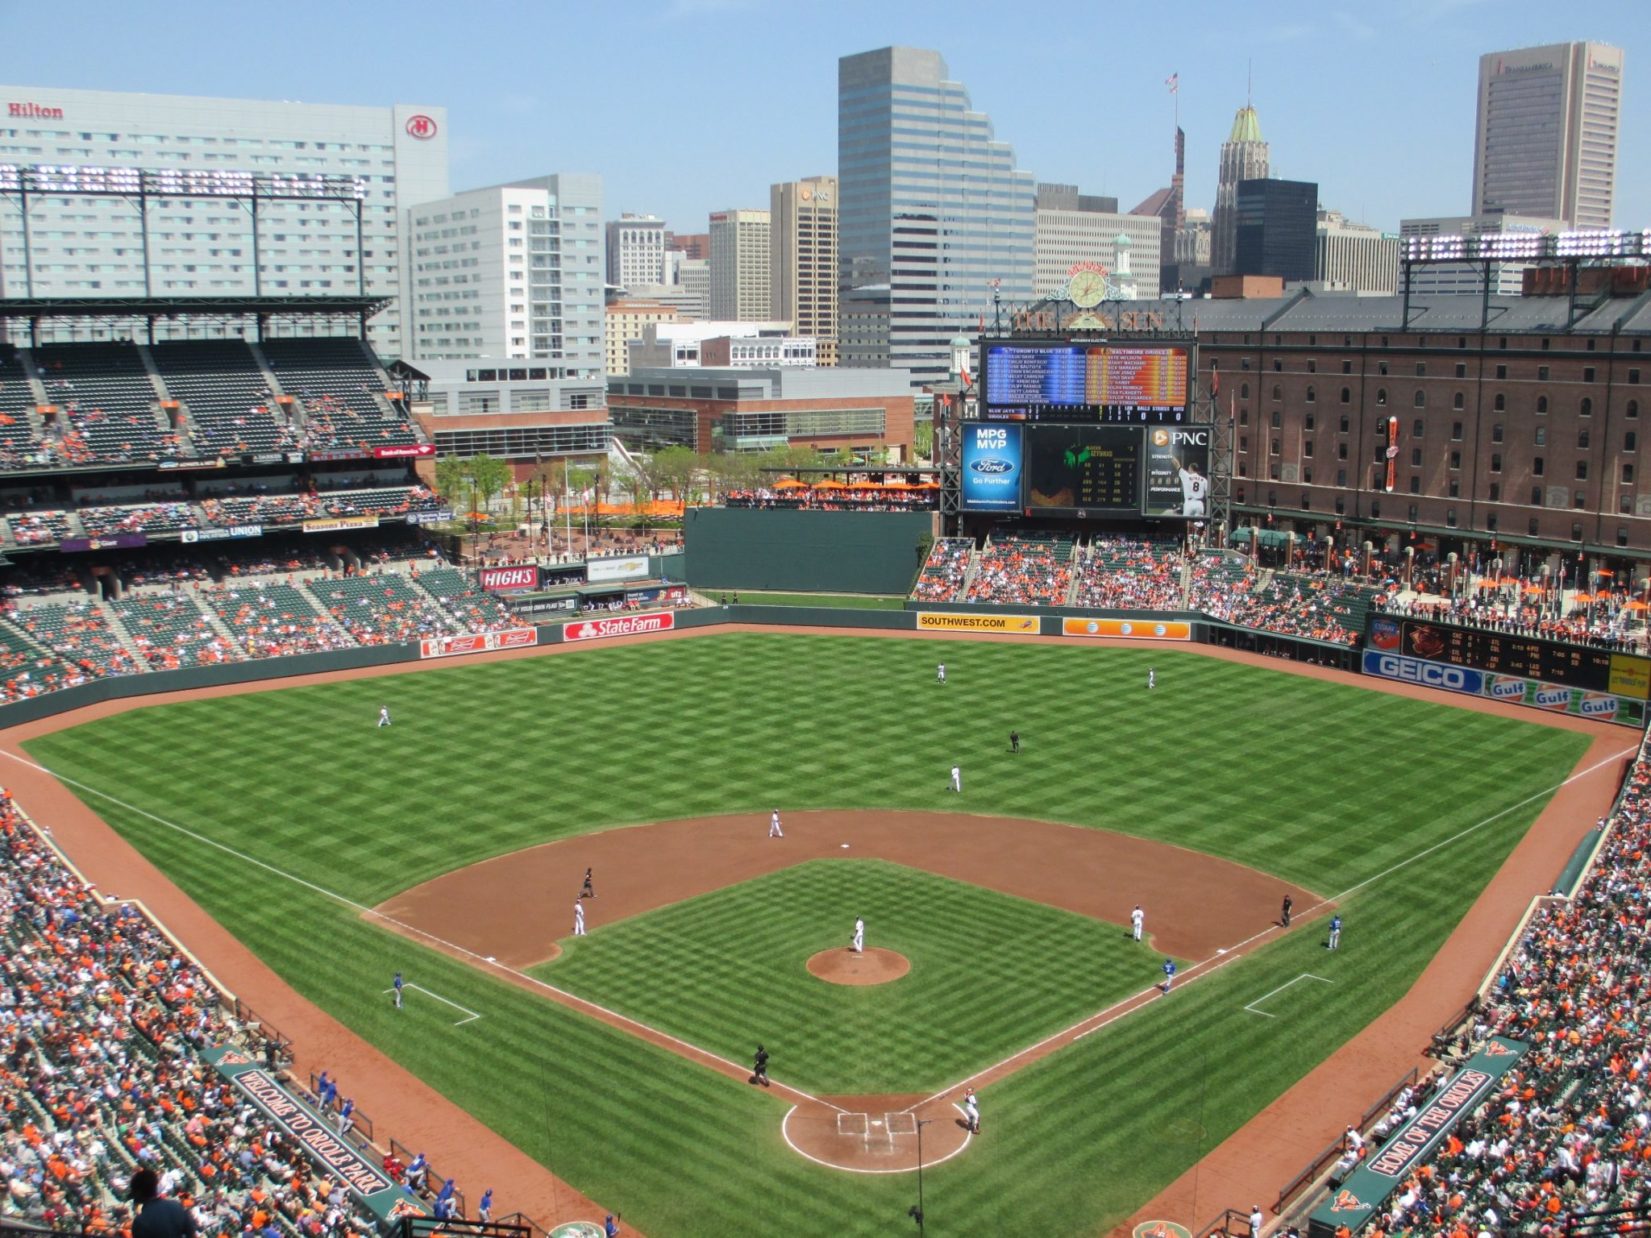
(992, 462)
(1599, 706)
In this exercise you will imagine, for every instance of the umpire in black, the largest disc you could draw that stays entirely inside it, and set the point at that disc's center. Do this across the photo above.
(759, 1067)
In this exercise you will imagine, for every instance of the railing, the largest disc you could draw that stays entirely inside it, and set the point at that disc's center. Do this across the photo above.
(361, 1126)
(1438, 1044)
(424, 1227)
(1231, 1222)
(1633, 1219)
(248, 1018)
(433, 1176)
(1331, 1151)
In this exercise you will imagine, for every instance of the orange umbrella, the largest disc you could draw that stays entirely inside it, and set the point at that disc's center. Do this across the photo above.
(790, 483)
(830, 483)
(1636, 604)
(1583, 597)
(1533, 588)
(1603, 572)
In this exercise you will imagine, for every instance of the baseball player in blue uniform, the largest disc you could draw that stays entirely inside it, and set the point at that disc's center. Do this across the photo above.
(1169, 974)
(397, 985)
(1335, 932)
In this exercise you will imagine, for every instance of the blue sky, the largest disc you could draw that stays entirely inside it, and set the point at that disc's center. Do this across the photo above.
(689, 106)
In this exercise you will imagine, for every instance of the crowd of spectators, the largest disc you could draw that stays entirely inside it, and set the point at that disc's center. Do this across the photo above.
(1567, 1132)
(944, 571)
(835, 497)
(104, 1019)
(1123, 572)
(78, 633)
(272, 620)
(148, 518)
(38, 528)
(1022, 571)
(1616, 622)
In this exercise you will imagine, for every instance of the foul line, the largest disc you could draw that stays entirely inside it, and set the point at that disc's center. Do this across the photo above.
(410, 985)
(482, 961)
(1304, 976)
(785, 1134)
(1227, 954)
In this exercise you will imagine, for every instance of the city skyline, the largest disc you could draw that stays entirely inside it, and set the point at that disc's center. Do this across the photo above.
(1401, 88)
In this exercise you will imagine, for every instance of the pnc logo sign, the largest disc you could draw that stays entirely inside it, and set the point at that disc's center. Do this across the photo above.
(1190, 438)
(421, 127)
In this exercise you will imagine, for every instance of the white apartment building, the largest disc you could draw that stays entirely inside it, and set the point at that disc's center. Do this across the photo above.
(1065, 237)
(681, 345)
(203, 246)
(1354, 257)
(739, 265)
(512, 272)
(636, 251)
(1506, 278)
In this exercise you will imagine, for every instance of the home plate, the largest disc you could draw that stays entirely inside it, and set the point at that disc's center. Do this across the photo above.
(1221, 950)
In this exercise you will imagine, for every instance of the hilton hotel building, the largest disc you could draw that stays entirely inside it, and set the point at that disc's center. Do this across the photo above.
(202, 247)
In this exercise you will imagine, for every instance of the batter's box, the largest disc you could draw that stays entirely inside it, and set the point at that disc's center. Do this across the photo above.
(853, 1125)
(900, 1123)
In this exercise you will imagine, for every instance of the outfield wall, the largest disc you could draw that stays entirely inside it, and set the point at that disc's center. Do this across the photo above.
(786, 550)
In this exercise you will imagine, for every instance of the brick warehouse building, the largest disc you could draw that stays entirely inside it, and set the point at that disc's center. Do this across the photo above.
(1525, 431)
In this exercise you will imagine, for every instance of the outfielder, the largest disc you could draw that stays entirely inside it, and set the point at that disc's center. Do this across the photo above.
(774, 830)
(1136, 919)
(397, 983)
(957, 778)
(858, 945)
(1152, 678)
(578, 919)
(383, 715)
(940, 673)
(1169, 974)
(1335, 932)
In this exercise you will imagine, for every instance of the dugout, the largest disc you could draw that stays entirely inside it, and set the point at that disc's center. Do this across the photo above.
(791, 550)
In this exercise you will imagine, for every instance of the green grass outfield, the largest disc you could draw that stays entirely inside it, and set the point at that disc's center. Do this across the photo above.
(1319, 782)
(718, 969)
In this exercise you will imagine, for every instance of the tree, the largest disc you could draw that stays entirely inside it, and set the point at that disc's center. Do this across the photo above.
(451, 474)
(488, 475)
(676, 469)
(923, 440)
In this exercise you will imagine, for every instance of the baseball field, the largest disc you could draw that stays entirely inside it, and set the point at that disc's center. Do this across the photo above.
(339, 852)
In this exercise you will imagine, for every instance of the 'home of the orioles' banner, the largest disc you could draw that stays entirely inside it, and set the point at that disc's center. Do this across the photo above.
(1366, 1189)
(318, 1137)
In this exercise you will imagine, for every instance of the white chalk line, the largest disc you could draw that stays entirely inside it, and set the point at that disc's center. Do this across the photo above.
(785, 1134)
(464, 1009)
(1112, 1013)
(412, 930)
(1304, 976)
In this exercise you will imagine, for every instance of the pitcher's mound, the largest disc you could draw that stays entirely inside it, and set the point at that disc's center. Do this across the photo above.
(845, 966)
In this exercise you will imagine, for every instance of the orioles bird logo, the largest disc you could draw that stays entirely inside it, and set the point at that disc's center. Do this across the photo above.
(1346, 1201)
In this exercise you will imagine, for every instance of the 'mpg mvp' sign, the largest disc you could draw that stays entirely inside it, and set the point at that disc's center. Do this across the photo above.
(991, 467)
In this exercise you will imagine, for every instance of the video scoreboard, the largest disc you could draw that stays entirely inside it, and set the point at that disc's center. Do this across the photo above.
(1525, 657)
(1085, 470)
(1063, 380)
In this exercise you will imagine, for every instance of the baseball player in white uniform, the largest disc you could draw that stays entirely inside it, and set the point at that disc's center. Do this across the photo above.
(971, 1110)
(1195, 488)
(1136, 919)
(774, 830)
(858, 945)
(957, 778)
(1152, 678)
(578, 918)
(383, 715)
(940, 673)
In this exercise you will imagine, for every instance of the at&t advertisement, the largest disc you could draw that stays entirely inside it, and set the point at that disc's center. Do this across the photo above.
(992, 462)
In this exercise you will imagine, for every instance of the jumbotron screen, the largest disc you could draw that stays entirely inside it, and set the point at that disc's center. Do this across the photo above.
(1087, 471)
(1130, 384)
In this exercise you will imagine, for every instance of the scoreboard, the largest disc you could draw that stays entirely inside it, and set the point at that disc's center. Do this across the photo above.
(1083, 468)
(1527, 657)
(1087, 470)
(1063, 380)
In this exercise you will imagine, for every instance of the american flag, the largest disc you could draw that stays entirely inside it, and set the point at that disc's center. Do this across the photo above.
(1173, 81)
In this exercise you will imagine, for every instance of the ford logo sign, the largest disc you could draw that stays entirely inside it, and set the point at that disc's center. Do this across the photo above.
(992, 464)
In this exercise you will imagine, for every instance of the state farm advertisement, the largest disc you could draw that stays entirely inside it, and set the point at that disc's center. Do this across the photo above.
(619, 625)
(477, 642)
(505, 579)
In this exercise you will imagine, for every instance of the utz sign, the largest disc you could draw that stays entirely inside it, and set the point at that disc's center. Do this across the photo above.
(620, 625)
(505, 579)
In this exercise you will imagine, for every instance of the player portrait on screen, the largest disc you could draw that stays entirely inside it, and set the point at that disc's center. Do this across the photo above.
(1195, 488)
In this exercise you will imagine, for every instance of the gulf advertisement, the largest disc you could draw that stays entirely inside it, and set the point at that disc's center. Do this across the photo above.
(1128, 629)
(993, 462)
(477, 642)
(948, 621)
(1512, 689)
(1178, 472)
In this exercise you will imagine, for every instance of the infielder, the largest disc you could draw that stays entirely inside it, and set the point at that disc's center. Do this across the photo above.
(1136, 919)
(774, 830)
(1335, 932)
(858, 945)
(578, 919)
(957, 778)
(397, 985)
(383, 715)
(940, 672)
(971, 1111)
(1169, 974)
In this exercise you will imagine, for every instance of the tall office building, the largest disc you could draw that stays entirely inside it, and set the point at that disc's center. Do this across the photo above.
(1075, 227)
(203, 246)
(636, 251)
(802, 260)
(1243, 158)
(1354, 257)
(512, 271)
(933, 213)
(1277, 225)
(1468, 278)
(1546, 141)
(739, 265)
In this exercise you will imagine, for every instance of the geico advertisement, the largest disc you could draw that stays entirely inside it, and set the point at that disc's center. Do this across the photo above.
(1429, 674)
(991, 467)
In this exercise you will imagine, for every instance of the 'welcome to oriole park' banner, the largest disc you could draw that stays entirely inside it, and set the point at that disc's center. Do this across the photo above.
(951, 621)
(319, 1137)
(1366, 1189)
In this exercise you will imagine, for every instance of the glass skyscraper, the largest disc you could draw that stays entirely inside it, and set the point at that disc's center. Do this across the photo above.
(931, 211)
